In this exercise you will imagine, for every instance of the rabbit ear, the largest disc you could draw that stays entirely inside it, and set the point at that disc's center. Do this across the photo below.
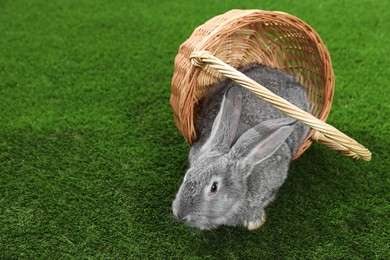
(225, 125)
(263, 140)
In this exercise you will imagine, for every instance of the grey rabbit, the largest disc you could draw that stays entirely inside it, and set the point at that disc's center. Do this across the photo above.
(242, 152)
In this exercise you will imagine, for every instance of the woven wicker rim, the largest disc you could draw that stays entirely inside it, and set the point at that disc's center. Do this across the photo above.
(324, 133)
(197, 68)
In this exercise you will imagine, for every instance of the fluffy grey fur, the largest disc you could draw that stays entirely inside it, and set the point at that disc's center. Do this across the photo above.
(242, 153)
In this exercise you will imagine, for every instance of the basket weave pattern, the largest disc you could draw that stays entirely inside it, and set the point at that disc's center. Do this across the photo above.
(242, 37)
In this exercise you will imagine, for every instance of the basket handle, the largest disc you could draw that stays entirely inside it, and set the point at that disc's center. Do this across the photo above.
(324, 133)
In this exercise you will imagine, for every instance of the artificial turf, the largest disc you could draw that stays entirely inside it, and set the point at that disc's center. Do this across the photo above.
(90, 158)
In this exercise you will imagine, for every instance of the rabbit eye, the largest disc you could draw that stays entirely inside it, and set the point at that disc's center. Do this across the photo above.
(214, 187)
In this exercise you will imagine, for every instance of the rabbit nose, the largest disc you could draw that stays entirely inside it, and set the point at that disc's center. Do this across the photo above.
(177, 214)
(185, 218)
(180, 215)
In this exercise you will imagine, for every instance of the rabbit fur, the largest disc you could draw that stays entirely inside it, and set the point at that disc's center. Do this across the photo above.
(242, 152)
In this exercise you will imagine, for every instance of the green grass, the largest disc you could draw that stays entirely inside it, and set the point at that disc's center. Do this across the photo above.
(90, 159)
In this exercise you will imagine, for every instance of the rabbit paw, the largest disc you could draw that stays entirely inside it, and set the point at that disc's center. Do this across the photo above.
(256, 223)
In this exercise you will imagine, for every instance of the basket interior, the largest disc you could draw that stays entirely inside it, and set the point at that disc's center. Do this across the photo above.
(242, 37)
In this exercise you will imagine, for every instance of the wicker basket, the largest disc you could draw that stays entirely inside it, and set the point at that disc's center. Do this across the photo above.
(240, 37)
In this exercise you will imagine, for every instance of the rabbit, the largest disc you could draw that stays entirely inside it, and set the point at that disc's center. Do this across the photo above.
(242, 152)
